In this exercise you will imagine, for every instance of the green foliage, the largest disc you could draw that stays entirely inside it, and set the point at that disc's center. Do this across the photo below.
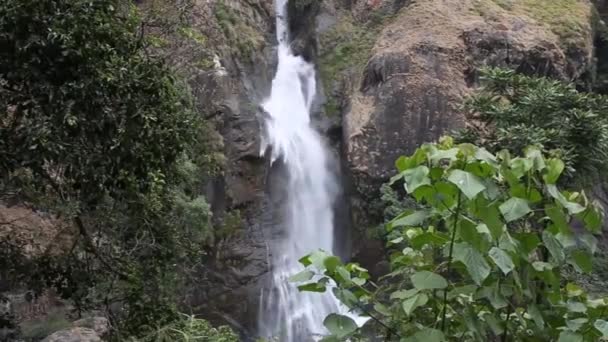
(346, 48)
(513, 111)
(482, 258)
(190, 329)
(101, 133)
(241, 36)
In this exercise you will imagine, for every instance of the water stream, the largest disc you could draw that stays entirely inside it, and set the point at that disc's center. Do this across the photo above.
(287, 314)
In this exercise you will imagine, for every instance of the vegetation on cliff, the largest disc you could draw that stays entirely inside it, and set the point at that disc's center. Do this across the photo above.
(97, 130)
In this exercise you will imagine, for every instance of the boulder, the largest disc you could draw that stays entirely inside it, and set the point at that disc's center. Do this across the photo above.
(76, 334)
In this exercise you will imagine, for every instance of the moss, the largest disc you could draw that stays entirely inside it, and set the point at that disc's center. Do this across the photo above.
(570, 20)
(346, 48)
(37, 329)
(240, 36)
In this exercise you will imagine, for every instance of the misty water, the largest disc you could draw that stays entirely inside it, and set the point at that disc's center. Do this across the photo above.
(288, 314)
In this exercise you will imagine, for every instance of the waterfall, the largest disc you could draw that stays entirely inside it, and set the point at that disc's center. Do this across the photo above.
(286, 313)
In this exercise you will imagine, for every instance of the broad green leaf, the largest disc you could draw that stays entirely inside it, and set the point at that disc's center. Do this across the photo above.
(541, 266)
(602, 326)
(592, 217)
(582, 260)
(466, 290)
(340, 326)
(520, 166)
(514, 209)
(404, 294)
(302, 276)
(426, 335)
(474, 262)
(494, 324)
(554, 246)
(383, 309)
(312, 287)
(534, 154)
(426, 238)
(468, 183)
(415, 178)
(492, 293)
(558, 217)
(536, 315)
(527, 241)
(576, 324)
(467, 231)
(555, 167)
(331, 263)
(569, 336)
(408, 220)
(502, 259)
(414, 302)
(490, 215)
(483, 155)
(521, 191)
(589, 241)
(425, 280)
(574, 306)
(437, 155)
(573, 208)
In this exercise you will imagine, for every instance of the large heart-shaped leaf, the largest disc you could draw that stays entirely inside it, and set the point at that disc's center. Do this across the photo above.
(514, 209)
(468, 183)
(475, 263)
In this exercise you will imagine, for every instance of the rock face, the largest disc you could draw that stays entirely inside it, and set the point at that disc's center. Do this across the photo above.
(75, 334)
(425, 60)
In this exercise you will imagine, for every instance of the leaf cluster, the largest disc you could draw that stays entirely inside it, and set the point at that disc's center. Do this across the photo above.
(514, 111)
(481, 259)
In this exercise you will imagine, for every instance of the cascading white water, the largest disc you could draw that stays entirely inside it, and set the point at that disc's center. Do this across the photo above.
(288, 314)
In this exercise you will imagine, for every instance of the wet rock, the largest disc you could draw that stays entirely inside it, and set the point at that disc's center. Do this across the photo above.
(76, 334)
(100, 325)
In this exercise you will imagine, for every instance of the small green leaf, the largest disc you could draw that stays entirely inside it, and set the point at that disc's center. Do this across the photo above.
(474, 262)
(582, 260)
(340, 326)
(573, 290)
(415, 178)
(414, 302)
(602, 326)
(514, 208)
(554, 246)
(404, 294)
(428, 238)
(302, 276)
(425, 280)
(468, 183)
(502, 260)
(408, 220)
(312, 287)
(537, 158)
(437, 155)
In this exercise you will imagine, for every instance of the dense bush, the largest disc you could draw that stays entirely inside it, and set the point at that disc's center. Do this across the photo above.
(482, 259)
(99, 132)
(512, 111)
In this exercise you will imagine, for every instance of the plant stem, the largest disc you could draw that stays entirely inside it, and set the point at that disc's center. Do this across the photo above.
(506, 332)
(454, 229)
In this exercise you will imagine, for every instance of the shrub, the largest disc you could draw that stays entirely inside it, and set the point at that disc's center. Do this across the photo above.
(482, 257)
